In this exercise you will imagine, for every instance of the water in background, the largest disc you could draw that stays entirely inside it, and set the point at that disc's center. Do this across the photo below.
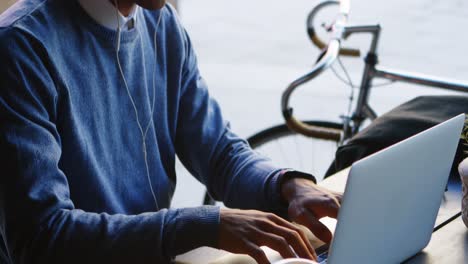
(249, 51)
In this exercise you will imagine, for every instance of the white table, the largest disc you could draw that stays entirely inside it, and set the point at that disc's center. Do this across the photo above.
(448, 245)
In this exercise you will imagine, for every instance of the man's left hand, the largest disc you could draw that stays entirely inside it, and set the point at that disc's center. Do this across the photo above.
(308, 203)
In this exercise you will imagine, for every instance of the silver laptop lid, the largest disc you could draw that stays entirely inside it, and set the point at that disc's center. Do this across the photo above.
(392, 198)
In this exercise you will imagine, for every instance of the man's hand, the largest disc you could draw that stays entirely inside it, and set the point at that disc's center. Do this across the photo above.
(308, 203)
(243, 232)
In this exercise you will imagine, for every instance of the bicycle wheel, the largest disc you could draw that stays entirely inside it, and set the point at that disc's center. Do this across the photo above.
(288, 149)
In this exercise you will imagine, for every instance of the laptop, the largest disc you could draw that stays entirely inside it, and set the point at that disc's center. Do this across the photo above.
(392, 197)
(390, 203)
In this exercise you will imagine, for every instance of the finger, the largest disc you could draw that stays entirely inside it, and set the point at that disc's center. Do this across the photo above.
(320, 230)
(308, 244)
(334, 207)
(327, 206)
(295, 237)
(257, 253)
(275, 242)
(298, 243)
(338, 196)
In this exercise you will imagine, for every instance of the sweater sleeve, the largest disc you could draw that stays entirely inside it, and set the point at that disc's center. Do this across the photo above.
(225, 163)
(38, 220)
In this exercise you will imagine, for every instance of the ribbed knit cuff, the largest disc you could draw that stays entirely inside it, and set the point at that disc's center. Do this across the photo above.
(275, 200)
(192, 228)
(279, 205)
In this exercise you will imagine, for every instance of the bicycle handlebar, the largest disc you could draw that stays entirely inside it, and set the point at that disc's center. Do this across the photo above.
(294, 123)
(332, 52)
(344, 11)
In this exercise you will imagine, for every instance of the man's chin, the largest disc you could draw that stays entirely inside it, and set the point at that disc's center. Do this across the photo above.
(151, 4)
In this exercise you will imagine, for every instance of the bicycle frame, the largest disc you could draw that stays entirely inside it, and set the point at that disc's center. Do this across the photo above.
(363, 109)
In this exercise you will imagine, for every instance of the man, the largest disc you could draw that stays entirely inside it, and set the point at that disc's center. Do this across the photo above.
(96, 100)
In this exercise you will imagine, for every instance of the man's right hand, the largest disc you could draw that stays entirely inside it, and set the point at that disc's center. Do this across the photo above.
(244, 231)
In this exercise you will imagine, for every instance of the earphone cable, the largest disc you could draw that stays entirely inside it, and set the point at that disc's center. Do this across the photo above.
(140, 127)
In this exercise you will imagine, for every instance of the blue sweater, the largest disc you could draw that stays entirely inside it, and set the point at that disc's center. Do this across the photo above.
(73, 182)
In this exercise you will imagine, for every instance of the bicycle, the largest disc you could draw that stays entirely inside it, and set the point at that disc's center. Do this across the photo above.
(327, 135)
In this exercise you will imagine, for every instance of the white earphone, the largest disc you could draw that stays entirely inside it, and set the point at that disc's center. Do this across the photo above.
(143, 132)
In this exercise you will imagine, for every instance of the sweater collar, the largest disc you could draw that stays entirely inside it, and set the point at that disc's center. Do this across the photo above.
(104, 13)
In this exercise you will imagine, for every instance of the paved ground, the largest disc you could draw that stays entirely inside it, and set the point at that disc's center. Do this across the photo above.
(250, 50)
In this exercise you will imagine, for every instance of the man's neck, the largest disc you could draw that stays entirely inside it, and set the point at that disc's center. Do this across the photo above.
(125, 6)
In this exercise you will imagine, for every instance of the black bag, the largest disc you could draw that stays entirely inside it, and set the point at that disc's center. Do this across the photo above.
(398, 124)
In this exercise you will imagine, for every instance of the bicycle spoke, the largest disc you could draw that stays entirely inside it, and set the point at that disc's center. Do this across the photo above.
(299, 152)
(291, 150)
(283, 153)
